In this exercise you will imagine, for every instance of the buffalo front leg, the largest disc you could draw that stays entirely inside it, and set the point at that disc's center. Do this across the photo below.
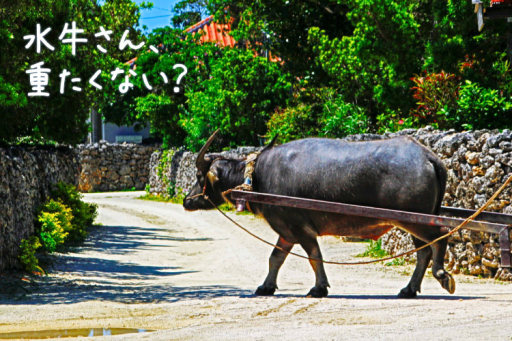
(321, 284)
(276, 259)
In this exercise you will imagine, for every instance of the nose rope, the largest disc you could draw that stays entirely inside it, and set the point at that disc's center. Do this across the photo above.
(203, 194)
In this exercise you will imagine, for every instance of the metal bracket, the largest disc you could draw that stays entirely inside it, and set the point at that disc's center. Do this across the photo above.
(505, 247)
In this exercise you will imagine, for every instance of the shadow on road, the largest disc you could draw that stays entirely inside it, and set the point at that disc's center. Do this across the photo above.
(125, 239)
(388, 297)
(83, 275)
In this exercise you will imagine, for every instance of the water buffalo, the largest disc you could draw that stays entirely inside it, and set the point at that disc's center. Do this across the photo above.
(397, 173)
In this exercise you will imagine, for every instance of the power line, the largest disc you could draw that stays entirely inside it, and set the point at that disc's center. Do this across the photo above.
(155, 17)
(163, 9)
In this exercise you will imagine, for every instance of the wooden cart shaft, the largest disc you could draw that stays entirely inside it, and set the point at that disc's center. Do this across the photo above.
(487, 221)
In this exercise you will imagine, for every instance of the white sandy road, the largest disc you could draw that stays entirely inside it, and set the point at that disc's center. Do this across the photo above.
(190, 276)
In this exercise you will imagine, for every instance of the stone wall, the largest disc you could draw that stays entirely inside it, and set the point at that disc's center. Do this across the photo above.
(26, 177)
(477, 162)
(182, 170)
(113, 167)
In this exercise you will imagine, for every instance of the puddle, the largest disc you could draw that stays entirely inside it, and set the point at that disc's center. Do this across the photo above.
(57, 333)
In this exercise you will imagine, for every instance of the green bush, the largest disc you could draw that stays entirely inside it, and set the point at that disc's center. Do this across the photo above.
(52, 233)
(293, 123)
(479, 108)
(433, 92)
(318, 112)
(340, 119)
(392, 121)
(238, 97)
(28, 259)
(374, 250)
(83, 213)
(55, 219)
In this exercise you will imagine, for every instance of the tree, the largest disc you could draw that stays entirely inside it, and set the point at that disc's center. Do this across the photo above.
(239, 96)
(282, 28)
(188, 12)
(161, 106)
(393, 41)
(225, 88)
(59, 117)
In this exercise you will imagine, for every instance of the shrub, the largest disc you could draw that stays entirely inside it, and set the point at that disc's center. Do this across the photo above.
(433, 92)
(241, 92)
(318, 112)
(293, 123)
(392, 121)
(374, 250)
(55, 219)
(479, 108)
(28, 259)
(83, 213)
(340, 119)
(52, 233)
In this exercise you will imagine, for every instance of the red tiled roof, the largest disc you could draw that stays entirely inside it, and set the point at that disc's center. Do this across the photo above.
(213, 32)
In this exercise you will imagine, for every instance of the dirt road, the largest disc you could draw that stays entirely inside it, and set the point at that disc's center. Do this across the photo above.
(190, 276)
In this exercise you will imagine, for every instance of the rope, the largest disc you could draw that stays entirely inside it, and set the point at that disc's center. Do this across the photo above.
(460, 226)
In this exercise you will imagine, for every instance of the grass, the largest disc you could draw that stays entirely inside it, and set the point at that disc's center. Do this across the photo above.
(375, 250)
(161, 198)
(132, 189)
(226, 207)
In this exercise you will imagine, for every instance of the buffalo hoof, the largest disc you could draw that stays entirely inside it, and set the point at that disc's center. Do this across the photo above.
(317, 292)
(265, 291)
(407, 293)
(446, 280)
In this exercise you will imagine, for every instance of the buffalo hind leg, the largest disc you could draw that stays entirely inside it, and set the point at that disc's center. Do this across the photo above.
(423, 259)
(444, 278)
(438, 250)
(276, 259)
(310, 245)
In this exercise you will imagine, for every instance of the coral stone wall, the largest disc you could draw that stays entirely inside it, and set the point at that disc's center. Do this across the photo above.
(112, 167)
(181, 171)
(26, 178)
(478, 163)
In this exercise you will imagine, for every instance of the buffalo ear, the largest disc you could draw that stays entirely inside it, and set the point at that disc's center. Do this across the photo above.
(270, 144)
(212, 177)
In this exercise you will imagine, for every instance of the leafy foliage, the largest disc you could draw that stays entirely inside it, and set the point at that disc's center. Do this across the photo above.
(55, 219)
(391, 41)
(374, 250)
(368, 53)
(237, 98)
(340, 119)
(434, 92)
(83, 214)
(63, 219)
(293, 123)
(58, 117)
(161, 107)
(479, 108)
(188, 12)
(52, 233)
(28, 249)
(281, 27)
(318, 112)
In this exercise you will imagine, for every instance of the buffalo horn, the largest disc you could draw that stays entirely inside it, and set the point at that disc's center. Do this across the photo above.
(201, 162)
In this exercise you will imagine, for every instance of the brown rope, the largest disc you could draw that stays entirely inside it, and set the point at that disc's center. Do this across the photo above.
(461, 225)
